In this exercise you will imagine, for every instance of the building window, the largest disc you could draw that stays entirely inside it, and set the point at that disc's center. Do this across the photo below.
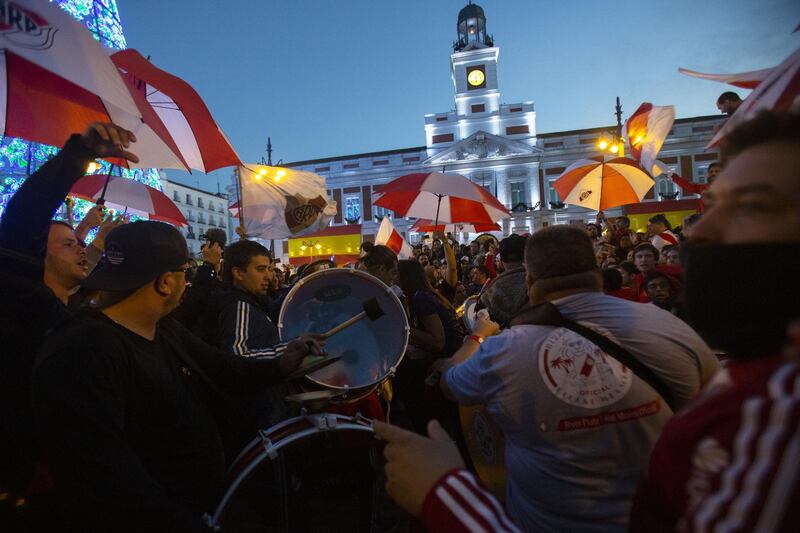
(478, 108)
(410, 159)
(200, 203)
(352, 208)
(322, 169)
(441, 119)
(175, 196)
(516, 130)
(485, 179)
(666, 188)
(552, 194)
(211, 221)
(188, 199)
(380, 163)
(554, 144)
(190, 232)
(515, 110)
(518, 192)
(380, 212)
(201, 218)
(190, 216)
(348, 166)
(443, 138)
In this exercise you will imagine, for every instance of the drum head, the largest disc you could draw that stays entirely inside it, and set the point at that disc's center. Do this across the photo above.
(370, 349)
(470, 313)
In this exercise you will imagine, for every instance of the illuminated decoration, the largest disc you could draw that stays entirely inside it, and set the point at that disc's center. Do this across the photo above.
(20, 158)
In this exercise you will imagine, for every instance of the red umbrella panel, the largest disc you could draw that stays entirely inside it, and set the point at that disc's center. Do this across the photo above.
(440, 197)
(603, 182)
(426, 226)
(185, 115)
(131, 194)
(55, 80)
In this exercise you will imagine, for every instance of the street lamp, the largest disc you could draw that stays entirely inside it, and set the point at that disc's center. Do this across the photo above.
(310, 246)
(613, 144)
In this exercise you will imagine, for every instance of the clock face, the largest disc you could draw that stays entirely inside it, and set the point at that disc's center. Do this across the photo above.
(476, 77)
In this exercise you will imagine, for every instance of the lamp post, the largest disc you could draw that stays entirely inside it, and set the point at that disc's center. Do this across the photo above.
(615, 144)
(310, 246)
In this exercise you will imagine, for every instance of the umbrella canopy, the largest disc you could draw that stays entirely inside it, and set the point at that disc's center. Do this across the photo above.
(426, 226)
(55, 80)
(440, 197)
(131, 194)
(279, 203)
(745, 80)
(603, 182)
(183, 112)
(777, 92)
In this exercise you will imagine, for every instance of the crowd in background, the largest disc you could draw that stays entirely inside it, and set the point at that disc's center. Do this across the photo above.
(133, 373)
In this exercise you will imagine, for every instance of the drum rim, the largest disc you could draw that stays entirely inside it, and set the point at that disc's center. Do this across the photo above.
(315, 425)
(386, 289)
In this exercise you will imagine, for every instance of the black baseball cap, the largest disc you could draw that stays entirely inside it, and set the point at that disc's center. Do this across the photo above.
(136, 254)
(512, 248)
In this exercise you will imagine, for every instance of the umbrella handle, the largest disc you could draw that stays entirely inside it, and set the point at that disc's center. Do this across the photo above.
(102, 199)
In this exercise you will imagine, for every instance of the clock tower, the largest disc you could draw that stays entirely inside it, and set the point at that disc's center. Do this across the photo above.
(473, 64)
(473, 69)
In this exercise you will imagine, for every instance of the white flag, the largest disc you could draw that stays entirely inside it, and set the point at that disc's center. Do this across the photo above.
(391, 238)
(281, 203)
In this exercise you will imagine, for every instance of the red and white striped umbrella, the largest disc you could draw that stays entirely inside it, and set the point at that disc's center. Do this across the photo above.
(184, 114)
(55, 80)
(426, 226)
(131, 194)
(603, 182)
(779, 91)
(440, 197)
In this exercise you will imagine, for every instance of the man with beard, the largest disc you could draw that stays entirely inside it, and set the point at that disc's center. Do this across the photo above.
(729, 461)
(135, 413)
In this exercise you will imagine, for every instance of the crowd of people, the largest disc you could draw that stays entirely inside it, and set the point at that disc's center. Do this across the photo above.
(643, 380)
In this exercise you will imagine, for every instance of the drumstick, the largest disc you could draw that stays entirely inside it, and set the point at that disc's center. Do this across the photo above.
(372, 309)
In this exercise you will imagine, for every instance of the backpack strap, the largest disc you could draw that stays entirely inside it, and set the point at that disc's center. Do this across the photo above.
(547, 314)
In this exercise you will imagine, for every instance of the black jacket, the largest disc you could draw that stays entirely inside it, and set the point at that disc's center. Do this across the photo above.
(136, 431)
(243, 323)
(28, 307)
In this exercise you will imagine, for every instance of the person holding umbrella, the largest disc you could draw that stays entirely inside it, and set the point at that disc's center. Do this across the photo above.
(41, 261)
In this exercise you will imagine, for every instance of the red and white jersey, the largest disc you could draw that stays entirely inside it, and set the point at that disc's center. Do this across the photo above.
(731, 460)
(458, 503)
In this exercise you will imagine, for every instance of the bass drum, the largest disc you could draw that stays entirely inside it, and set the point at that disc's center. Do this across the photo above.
(370, 350)
(318, 472)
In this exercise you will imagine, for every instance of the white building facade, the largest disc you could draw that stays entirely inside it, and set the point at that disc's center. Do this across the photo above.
(203, 210)
(497, 146)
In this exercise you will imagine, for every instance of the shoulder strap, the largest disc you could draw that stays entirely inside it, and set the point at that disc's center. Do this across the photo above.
(547, 314)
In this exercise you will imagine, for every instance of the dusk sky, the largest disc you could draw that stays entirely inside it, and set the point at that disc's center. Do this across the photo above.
(328, 78)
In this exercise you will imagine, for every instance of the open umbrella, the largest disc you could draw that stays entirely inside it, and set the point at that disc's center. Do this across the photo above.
(277, 203)
(440, 197)
(779, 91)
(56, 80)
(426, 226)
(130, 194)
(603, 182)
(184, 114)
(745, 80)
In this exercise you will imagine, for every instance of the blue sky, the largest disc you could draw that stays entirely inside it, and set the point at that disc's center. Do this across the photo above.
(336, 77)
